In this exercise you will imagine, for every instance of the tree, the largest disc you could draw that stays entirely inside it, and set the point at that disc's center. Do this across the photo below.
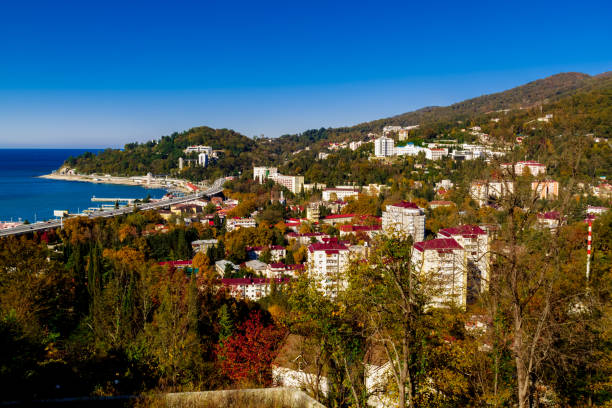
(392, 299)
(248, 353)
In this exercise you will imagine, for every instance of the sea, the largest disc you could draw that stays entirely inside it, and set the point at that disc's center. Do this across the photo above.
(25, 196)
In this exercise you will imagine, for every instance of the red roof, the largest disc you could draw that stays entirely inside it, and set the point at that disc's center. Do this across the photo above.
(175, 263)
(406, 204)
(357, 228)
(441, 202)
(466, 231)
(251, 281)
(438, 244)
(328, 246)
(330, 217)
(530, 163)
(551, 215)
(305, 234)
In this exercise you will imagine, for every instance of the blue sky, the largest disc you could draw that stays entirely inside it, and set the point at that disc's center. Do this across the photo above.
(104, 73)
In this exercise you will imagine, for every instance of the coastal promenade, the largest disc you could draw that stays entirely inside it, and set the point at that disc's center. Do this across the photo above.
(216, 188)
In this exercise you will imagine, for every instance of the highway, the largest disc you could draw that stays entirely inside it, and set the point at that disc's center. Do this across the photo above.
(216, 188)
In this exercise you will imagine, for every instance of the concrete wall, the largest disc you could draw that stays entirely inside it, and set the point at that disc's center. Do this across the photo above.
(264, 397)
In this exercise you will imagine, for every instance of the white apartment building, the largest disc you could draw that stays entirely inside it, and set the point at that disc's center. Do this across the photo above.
(481, 191)
(355, 145)
(327, 264)
(534, 168)
(436, 154)
(235, 223)
(404, 218)
(444, 262)
(340, 193)
(475, 242)
(203, 159)
(546, 189)
(251, 288)
(295, 184)
(384, 147)
(261, 174)
(199, 149)
(409, 150)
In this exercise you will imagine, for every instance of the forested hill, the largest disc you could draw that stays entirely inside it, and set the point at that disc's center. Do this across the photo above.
(580, 103)
(558, 90)
(161, 156)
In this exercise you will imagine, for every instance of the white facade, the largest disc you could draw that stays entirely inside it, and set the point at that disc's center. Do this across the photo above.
(444, 262)
(384, 147)
(234, 223)
(404, 218)
(295, 184)
(436, 154)
(203, 159)
(475, 242)
(341, 193)
(327, 264)
(199, 149)
(261, 174)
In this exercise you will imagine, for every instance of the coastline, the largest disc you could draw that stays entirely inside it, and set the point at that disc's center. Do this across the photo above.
(138, 181)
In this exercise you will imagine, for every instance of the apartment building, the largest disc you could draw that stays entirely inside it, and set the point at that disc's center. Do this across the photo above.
(384, 147)
(199, 149)
(277, 252)
(404, 218)
(251, 288)
(235, 223)
(295, 184)
(332, 194)
(525, 167)
(436, 154)
(475, 242)
(261, 174)
(546, 189)
(443, 262)
(327, 263)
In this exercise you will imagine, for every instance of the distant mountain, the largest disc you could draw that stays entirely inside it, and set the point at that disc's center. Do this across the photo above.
(541, 91)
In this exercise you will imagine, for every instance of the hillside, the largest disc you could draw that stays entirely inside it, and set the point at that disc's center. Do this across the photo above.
(580, 103)
(161, 156)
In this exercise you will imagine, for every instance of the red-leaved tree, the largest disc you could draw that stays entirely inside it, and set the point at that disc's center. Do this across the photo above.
(249, 352)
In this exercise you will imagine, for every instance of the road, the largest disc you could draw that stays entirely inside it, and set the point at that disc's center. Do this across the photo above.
(216, 188)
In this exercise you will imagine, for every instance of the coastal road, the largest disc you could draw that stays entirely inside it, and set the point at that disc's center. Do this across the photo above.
(216, 188)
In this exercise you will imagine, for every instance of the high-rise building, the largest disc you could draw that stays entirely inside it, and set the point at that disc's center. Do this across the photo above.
(443, 262)
(384, 147)
(203, 159)
(404, 218)
(327, 264)
(261, 174)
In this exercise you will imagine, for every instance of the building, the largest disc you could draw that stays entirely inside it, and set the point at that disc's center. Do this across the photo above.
(323, 155)
(435, 204)
(443, 261)
(261, 174)
(277, 252)
(251, 288)
(356, 145)
(222, 265)
(203, 159)
(333, 194)
(369, 230)
(336, 219)
(404, 218)
(313, 213)
(475, 242)
(405, 131)
(482, 191)
(306, 238)
(436, 154)
(256, 266)
(525, 167)
(604, 190)
(327, 263)
(234, 223)
(384, 147)
(550, 219)
(202, 245)
(295, 184)
(199, 149)
(546, 189)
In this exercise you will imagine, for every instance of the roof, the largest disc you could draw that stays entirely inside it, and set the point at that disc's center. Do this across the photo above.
(356, 190)
(277, 265)
(551, 215)
(175, 263)
(330, 217)
(406, 204)
(463, 230)
(437, 244)
(357, 228)
(255, 264)
(251, 281)
(305, 234)
(530, 163)
(328, 246)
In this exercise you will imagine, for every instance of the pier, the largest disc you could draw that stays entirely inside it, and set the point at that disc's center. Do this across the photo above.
(113, 200)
